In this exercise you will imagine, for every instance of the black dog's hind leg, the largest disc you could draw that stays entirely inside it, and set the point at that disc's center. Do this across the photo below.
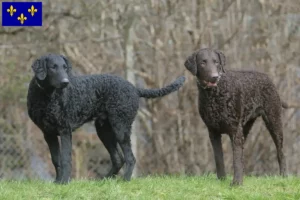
(108, 138)
(125, 144)
(52, 141)
(122, 132)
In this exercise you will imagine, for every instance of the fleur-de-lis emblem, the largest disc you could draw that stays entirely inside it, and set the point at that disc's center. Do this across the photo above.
(32, 10)
(11, 10)
(22, 18)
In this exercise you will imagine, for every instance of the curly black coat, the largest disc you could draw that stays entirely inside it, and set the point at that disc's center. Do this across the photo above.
(230, 101)
(59, 102)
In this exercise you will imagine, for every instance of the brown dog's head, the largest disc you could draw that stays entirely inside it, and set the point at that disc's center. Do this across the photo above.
(207, 65)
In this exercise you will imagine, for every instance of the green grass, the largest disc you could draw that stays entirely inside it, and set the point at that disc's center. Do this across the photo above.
(155, 187)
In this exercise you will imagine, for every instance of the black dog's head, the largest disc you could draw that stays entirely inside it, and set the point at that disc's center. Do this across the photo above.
(207, 65)
(52, 69)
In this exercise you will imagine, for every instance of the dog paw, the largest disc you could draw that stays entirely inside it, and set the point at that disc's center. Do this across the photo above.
(235, 183)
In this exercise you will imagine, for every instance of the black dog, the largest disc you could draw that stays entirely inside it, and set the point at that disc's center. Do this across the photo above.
(59, 102)
(230, 103)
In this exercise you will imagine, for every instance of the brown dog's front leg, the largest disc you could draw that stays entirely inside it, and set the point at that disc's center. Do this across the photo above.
(66, 155)
(237, 141)
(215, 139)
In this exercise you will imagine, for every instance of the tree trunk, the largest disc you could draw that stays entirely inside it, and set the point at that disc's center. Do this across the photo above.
(130, 76)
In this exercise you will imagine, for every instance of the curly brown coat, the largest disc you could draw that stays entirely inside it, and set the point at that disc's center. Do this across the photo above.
(229, 102)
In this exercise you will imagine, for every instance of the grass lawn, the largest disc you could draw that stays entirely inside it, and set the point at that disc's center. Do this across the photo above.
(155, 187)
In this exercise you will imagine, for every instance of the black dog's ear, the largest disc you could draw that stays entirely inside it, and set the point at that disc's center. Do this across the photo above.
(190, 63)
(39, 67)
(68, 63)
(222, 59)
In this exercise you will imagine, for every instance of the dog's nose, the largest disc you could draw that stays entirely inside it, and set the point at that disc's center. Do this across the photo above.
(64, 83)
(214, 79)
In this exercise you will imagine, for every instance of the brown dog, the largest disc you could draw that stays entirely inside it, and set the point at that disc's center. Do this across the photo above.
(230, 102)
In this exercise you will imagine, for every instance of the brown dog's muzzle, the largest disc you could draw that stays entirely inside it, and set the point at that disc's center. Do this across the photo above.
(210, 82)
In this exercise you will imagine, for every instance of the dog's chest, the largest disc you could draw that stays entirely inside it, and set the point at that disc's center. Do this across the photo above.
(47, 115)
(218, 111)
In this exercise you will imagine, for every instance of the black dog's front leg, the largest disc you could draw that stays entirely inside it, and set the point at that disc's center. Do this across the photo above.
(66, 155)
(53, 145)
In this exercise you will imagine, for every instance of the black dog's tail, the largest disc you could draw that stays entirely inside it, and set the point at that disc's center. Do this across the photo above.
(153, 93)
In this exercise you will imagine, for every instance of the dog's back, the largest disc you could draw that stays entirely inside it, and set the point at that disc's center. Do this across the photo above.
(86, 98)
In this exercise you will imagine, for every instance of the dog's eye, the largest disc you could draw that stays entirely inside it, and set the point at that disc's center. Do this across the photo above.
(216, 62)
(203, 63)
(65, 67)
(53, 66)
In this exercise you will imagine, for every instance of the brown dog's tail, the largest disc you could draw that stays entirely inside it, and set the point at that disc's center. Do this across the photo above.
(153, 93)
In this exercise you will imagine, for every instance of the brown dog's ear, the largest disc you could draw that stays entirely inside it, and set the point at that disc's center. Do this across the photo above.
(190, 63)
(39, 67)
(222, 59)
(68, 63)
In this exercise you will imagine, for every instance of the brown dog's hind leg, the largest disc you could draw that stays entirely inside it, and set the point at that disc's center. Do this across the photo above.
(237, 141)
(273, 123)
